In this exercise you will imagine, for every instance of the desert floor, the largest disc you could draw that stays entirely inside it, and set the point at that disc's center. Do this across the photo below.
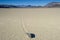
(43, 22)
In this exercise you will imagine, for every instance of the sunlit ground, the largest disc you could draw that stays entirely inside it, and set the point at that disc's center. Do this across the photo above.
(43, 22)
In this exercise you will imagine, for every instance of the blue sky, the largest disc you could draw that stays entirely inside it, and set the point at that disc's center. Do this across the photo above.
(27, 2)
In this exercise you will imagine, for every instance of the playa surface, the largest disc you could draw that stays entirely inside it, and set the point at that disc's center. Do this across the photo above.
(43, 22)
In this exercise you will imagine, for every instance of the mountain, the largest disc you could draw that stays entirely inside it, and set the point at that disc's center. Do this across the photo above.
(49, 5)
(30, 6)
(8, 6)
(19, 6)
(53, 4)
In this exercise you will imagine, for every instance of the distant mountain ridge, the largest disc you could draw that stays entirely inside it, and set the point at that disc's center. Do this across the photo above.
(53, 4)
(49, 5)
(20, 6)
(7, 6)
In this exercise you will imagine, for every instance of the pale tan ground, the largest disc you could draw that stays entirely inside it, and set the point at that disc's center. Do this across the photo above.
(44, 22)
